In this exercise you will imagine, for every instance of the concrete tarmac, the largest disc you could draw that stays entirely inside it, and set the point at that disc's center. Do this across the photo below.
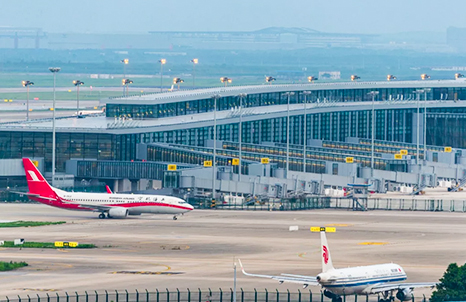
(198, 249)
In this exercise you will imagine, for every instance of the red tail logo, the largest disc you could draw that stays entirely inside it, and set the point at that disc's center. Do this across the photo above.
(36, 182)
(325, 254)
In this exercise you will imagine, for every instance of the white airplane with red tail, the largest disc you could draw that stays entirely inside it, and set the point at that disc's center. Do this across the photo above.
(361, 280)
(111, 205)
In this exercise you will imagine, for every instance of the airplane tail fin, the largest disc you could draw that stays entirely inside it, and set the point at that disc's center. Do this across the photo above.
(327, 264)
(109, 191)
(36, 182)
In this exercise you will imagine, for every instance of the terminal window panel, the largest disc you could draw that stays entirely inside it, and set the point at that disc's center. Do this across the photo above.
(344, 125)
(266, 131)
(315, 126)
(334, 127)
(362, 124)
(408, 130)
(325, 125)
(380, 124)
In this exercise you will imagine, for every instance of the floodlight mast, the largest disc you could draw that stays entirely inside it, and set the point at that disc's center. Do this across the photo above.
(53, 70)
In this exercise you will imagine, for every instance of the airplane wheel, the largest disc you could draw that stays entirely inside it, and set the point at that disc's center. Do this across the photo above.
(175, 218)
(101, 216)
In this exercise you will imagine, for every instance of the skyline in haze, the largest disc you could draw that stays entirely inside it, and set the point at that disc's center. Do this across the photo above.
(142, 16)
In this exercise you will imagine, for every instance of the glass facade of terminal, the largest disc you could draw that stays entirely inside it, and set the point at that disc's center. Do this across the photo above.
(16, 144)
(393, 124)
(276, 98)
(445, 127)
(121, 170)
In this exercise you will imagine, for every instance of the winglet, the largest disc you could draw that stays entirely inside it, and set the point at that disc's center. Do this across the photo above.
(241, 265)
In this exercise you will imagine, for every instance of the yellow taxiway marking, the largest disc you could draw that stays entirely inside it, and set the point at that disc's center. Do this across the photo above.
(338, 225)
(63, 250)
(373, 243)
(302, 254)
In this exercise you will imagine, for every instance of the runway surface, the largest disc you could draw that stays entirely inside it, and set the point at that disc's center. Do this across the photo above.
(198, 249)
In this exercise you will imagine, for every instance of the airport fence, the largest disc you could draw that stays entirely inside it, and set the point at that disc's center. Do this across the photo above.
(289, 204)
(427, 205)
(193, 296)
(310, 203)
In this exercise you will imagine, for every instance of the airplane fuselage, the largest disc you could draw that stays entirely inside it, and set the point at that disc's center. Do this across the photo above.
(135, 203)
(360, 280)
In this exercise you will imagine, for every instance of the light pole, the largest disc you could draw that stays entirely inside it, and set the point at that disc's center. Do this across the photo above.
(78, 83)
(425, 76)
(373, 94)
(306, 93)
(425, 121)
(53, 70)
(162, 62)
(214, 166)
(270, 80)
(288, 94)
(178, 81)
(225, 80)
(126, 82)
(125, 62)
(27, 84)
(194, 61)
(240, 134)
(234, 281)
(418, 92)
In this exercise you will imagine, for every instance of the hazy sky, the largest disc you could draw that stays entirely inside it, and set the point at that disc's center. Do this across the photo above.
(350, 16)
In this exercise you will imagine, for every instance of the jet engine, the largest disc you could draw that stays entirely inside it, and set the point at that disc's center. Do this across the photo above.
(404, 294)
(118, 212)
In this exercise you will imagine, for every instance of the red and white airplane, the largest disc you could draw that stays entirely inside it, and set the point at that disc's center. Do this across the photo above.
(108, 205)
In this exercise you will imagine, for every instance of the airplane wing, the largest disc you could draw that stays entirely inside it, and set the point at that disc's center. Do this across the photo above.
(95, 207)
(32, 195)
(394, 286)
(305, 280)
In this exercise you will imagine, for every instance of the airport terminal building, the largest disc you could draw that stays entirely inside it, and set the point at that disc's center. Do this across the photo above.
(326, 127)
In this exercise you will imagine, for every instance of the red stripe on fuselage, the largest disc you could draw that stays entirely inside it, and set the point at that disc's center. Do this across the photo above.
(71, 205)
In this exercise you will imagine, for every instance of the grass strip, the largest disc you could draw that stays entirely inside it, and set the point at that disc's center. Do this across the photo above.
(9, 266)
(46, 245)
(16, 224)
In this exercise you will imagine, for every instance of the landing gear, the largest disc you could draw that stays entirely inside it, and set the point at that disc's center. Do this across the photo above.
(175, 217)
(387, 297)
(334, 297)
(101, 216)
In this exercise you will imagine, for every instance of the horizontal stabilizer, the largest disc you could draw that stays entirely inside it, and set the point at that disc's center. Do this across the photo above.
(304, 280)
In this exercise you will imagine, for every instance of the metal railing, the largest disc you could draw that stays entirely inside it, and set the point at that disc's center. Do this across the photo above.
(429, 205)
(191, 296)
(261, 205)
(311, 203)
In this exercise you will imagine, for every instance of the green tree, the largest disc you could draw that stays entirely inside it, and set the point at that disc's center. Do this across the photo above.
(452, 286)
